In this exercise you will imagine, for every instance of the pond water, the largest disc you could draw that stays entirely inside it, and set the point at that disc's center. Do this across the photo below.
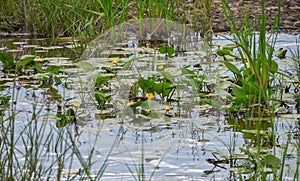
(191, 141)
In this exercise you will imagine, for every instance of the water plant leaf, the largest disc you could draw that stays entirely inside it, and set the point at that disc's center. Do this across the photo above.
(162, 88)
(238, 92)
(273, 66)
(187, 72)
(37, 67)
(52, 69)
(166, 50)
(281, 54)
(272, 160)
(223, 52)
(86, 66)
(230, 46)
(127, 63)
(102, 99)
(250, 152)
(23, 63)
(57, 80)
(64, 119)
(211, 102)
(146, 85)
(233, 68)
(7, 60)
(150, 105)
(101, 80)
(168, 76)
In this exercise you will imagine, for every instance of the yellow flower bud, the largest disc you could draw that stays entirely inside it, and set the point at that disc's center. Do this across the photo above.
(218, 45)
(40, 60)
(76, 104)
(161, 67)
(115, 61)
(150, 95)
(168, 108)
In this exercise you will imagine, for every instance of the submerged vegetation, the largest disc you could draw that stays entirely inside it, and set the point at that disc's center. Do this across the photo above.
(246, 88)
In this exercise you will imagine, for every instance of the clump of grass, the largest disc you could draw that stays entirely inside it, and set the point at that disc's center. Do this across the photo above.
(296, 59)
(90, 18)
(254, 85)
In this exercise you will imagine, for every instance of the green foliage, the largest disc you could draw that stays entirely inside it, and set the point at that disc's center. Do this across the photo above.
(159, 86)
(102, 99)
(167, 50)
(88, 18)
(26, 64)
(211, 102)
(225, 52)
(271, 160)
(69, 117)
(101, 81)
(255, 79)
(281, 54)
(7, 61)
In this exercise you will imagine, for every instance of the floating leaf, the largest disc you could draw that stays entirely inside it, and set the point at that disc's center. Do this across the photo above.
(150, 105)
(168, 76)
(86, 66)
(167, 50)
(146, 85)
(162, 88)
(37, 67)
(211, 102)
(52, 69)
(101, 98)
(64, 119)
(272, 160)
(101, 80)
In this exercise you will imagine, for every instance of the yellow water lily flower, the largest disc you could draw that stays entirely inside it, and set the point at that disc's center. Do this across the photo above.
(115, 61)
(161, 67)
(168, 108)
(76, 104)
(150, 95)
(218, 45)
(40, 60)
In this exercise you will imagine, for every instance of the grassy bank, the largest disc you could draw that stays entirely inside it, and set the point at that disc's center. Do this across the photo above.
(90, 18)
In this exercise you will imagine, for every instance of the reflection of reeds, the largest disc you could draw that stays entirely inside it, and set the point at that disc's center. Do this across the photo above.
(296, 59)
(33, 148)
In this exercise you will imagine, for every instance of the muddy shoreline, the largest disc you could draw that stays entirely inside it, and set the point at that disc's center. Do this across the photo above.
(290, 14)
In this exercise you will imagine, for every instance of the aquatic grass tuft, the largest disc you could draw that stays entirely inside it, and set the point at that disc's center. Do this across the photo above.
(259, 67)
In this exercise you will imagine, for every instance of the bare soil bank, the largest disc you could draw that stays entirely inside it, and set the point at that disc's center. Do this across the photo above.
(290, 14)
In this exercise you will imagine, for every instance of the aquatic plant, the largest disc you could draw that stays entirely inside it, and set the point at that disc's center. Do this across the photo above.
(254, 81)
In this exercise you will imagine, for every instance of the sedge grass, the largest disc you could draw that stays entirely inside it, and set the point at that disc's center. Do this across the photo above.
(72, 18)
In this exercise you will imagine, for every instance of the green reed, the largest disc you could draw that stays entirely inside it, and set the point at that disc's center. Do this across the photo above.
(259, 68)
